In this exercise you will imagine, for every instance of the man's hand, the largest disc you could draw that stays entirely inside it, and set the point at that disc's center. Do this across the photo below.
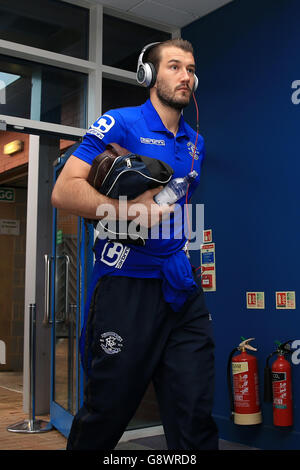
(146, 210)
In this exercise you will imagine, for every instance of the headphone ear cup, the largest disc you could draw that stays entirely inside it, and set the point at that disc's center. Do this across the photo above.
(141, 74)
(195, 83)
(150, 74)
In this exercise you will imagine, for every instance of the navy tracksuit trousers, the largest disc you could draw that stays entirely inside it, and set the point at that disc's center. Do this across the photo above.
(135, 338)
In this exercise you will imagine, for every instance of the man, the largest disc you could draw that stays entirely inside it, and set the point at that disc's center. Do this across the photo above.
(145, 317)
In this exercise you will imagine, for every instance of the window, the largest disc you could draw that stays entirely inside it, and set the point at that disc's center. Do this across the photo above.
(43, 93)
(118, 94)
(48, 24)
(124, 40)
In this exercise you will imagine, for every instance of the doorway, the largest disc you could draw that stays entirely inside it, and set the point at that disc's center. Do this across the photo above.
(65, 238)
(14, 165)
(14, 149)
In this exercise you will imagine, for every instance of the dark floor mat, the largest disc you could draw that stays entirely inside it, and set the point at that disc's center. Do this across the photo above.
(153, 442)
(160, 443)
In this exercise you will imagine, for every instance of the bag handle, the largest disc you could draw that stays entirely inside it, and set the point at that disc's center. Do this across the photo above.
(117, 150)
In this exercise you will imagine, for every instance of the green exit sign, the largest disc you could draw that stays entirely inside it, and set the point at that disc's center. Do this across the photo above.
(7, 194)
(59, 237)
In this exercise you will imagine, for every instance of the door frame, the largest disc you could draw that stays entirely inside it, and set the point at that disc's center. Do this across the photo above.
(61, 418)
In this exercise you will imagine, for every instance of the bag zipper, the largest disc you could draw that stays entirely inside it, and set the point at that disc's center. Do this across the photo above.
(109, 171)
(136, 171)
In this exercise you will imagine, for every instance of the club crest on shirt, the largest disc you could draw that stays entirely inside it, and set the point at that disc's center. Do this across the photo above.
(191, 148)
(111, 342)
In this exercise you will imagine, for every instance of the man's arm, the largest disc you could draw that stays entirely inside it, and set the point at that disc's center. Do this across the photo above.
(73, 193)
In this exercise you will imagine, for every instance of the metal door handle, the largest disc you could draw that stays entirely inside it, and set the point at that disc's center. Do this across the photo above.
(65, 315)
(67, 258)
(47, 259)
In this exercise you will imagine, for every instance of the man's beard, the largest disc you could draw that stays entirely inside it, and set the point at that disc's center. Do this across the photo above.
(168, 98)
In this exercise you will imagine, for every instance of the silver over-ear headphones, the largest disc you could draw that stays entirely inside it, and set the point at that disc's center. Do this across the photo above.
(146, 73)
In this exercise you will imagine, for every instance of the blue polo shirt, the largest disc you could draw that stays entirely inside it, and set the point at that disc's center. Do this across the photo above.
(141, 130)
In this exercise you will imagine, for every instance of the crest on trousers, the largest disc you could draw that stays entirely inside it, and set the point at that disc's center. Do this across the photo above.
(111, 343)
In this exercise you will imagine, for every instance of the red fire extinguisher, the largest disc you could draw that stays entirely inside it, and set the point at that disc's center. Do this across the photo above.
(244, 400)
(278, 385)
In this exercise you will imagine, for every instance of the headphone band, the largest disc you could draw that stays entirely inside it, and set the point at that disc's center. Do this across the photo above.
(148, 46)
(146, 73)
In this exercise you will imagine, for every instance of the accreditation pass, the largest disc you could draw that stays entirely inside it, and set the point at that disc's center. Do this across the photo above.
(150, 459)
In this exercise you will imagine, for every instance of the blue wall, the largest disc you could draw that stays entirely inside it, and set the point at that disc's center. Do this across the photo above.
(247, 56)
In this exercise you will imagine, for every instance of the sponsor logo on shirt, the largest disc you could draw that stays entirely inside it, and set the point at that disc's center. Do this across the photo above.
(114, 254)
(191, 148)
(102, 126)
(147, 140)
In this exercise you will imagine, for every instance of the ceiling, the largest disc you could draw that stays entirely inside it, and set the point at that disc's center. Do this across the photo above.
(173, 13)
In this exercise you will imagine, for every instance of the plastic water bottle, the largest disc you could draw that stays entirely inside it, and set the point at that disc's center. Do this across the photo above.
(175, 189)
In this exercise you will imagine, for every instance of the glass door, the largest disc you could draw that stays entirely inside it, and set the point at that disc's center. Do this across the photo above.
(67, 271)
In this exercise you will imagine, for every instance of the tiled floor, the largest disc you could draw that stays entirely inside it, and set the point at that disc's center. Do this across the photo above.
(11, 412)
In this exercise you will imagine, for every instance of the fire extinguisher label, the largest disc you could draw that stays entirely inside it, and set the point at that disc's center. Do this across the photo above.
(245, 385)
(279, 390)
(238, 367)
(278, 376)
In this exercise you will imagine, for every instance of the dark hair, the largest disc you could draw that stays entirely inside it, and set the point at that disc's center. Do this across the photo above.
(154, 54)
